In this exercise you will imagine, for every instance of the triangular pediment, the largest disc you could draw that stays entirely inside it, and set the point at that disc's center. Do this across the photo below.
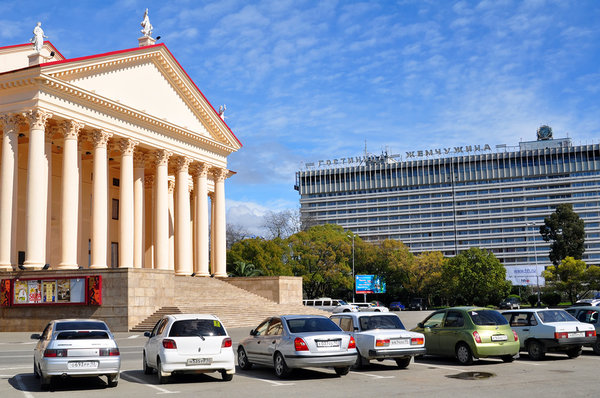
(149, 80)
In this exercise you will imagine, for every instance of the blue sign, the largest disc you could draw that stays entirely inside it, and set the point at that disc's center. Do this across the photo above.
(369, 284)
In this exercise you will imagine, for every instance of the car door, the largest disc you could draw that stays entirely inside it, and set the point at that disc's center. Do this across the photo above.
(42, 343)
(431, 327)
(450, 332)
(272, 338)
(154, 341)
(522, 322)
(254, 346)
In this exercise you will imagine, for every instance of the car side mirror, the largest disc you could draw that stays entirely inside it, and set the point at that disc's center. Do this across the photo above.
(252, 332)
(147, 334)
(36, 336)
(420, 325)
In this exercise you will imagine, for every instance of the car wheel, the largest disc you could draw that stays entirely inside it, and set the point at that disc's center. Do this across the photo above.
(147, 369)
(463, 354)
(535, 349)
(342, 371)
(162, 378)
(507, 358)
(112, 380)
(361, 361)
(596, 346)
(346, 310)
(243, 359)
(574, 352)
(281, 368)
(402, 362)
(226, 376)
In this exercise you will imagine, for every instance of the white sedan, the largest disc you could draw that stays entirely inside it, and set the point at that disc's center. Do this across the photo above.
(381, 336)
(188, 343)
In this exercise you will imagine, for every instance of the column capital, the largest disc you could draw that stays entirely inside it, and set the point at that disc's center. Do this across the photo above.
(11, 122)
(139, 159)
(162, 157)
(127, 145)
(171, 186)
(37, 118)
(182, 163)
(100, 138)
(149, 181)
(70, 129)
(220, 174)
(199, 169)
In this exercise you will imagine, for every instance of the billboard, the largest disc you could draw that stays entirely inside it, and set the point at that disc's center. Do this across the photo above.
(529, 275)
(369, 284)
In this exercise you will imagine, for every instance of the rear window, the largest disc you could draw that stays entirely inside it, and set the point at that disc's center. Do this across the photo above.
(556, 316)
(304, 325)
(81, 325)
(82, 335)
(380, 322)
(487, 318)
(197, 327)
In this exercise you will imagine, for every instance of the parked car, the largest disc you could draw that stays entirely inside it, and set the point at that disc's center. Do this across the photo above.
(332, 305)
(545, 330)
(417, 304)
(77, 348)
(381, 336)
(397, 306)
(188, 343)
(467, 333)
(510, 303)
(297, 341)
(593, 302)
(588, 314)
(370, 307)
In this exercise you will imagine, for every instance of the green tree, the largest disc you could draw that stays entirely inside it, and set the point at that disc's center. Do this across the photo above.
(241, 268)
(476, 277)
(268, 256)
(565, 229)
(568, 277)
(424, 275)
(390, 259)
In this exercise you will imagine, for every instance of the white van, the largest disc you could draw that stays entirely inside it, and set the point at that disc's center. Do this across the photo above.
(331, 305)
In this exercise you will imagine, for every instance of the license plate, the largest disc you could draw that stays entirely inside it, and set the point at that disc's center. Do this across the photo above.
(199, 361)
(396, 342)
(499, 337)
(328, 343)
(577, 334)
(82, 365)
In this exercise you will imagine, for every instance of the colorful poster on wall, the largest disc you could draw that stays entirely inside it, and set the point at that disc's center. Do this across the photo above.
(49, 291)
(5, 293)
(94, 290)
(34, 289)
(63, 291)
(77, 290)
(20, 292)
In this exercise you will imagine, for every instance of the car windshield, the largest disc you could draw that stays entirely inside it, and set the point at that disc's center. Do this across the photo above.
(82, 335)
(304, 325)
(556, 316)
(380, 322)
(81, 325)
(197, 327)
(487, 318)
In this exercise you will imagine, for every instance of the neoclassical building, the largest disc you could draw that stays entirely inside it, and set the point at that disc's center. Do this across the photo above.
(110, 160)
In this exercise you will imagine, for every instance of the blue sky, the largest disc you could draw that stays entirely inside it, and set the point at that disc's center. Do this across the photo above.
(311, 80)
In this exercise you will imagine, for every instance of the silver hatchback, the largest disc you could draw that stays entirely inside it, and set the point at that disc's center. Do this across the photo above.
(298, 341)
(76, 347)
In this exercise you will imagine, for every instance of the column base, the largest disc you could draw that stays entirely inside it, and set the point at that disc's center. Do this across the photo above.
(183, 273)
(220, 275)
(98, 266)
(33, 266)
(6, 267)
(206, 274)
(66, 266)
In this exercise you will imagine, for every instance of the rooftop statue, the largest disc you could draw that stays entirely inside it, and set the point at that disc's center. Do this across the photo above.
(146, 25)
(38, 38)
(222, 109)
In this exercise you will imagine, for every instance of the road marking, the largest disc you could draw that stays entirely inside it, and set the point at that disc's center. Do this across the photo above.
(135, 336)
(20, 367)
(372, 375)
(159, 389)
(274, 383)
(440, 367)
(22, 387)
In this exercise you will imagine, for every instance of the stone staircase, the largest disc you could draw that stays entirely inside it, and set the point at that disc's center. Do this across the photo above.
(235, 307)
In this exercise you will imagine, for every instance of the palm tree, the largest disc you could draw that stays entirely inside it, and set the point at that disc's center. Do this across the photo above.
(242, 268)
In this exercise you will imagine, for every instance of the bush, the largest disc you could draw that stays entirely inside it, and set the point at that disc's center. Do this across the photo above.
(532, 299)
(551, 299)
(514, 296)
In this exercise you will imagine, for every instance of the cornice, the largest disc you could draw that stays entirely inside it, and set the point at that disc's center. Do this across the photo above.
(84, 96)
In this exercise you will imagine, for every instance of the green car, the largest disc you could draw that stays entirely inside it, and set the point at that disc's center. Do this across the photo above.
(467, 333)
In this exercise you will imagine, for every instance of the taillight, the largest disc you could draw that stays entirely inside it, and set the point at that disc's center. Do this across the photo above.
(477, 337)
(516, 335)
(300, 345)
(382, 342)
(226, 342)
(169, 344)
(561, 335)
(109, 352)
(351, 343)
(590, 333)
(50, 353)
(417, 341)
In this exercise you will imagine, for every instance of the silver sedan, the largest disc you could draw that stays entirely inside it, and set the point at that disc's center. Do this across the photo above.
(298, 341)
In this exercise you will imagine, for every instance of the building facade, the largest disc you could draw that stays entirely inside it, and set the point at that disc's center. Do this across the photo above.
(110, 160)
(495, 200)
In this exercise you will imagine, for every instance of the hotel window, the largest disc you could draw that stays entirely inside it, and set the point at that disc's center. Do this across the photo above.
(115, 209)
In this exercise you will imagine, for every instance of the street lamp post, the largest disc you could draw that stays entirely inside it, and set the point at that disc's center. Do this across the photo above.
(353, 278)
(537, 276)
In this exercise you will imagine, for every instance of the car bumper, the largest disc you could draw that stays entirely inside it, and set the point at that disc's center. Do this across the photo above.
(311, 360)
(496, 349)
(378, 354)
(60, 366)
(565, 344)
(173, 362)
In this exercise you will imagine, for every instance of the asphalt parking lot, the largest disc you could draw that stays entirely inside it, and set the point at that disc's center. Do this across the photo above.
(426, 377)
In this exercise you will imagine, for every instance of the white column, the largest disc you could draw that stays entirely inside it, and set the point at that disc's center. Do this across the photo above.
(69, 195)
(201, 249)
(213, 270)
(49, 182)
(37, 194)
(9, 177)
(183, 240)
(149, 211)
(171, 224)
(139, 159)
(161, 208)
(220, 238)
(100, 199)
(126, 227)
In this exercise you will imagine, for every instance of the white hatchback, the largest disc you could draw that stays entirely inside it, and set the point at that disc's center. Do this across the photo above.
(188, 343)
